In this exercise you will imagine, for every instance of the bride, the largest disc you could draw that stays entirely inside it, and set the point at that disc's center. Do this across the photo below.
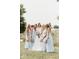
(38, 45)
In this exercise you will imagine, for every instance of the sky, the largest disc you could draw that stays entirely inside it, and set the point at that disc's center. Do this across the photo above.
(43, 11)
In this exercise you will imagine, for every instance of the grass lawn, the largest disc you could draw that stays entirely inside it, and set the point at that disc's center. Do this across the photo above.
(24, 54)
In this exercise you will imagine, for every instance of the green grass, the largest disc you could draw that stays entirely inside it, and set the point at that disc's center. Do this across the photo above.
(24, 54)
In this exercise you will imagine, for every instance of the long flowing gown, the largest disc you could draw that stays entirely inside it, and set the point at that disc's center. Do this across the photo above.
(44, 38)
(50, 44)
(38, 46)
(33, 37)
(28, 44)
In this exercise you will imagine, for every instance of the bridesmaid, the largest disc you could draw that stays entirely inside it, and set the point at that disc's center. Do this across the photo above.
(49, 43)
(28, 44)
(33, 34)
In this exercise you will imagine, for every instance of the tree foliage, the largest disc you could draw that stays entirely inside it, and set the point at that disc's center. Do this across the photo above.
(22, 19)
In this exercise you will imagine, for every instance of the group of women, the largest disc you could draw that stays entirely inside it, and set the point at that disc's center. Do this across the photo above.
(39, 38)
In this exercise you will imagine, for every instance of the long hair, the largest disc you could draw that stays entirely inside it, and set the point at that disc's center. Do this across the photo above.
(28, 28)
(48, 27)
(39, 25)
(35, 26)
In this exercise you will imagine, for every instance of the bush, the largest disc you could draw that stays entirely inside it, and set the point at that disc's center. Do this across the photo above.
(56, 27)
(22, 27)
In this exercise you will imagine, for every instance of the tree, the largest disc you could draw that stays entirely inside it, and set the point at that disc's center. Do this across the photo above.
(56, 27)
(22, 19)
(57, 0)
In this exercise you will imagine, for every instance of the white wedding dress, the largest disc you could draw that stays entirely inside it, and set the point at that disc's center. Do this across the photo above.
(38, 45)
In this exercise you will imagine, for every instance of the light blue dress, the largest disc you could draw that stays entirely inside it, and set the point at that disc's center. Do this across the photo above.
(33, 37)
(28, 44)
(50, 44)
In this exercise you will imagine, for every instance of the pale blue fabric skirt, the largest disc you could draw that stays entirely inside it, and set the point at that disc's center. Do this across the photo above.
(28, 44)
(33, 36)
(50, 44)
